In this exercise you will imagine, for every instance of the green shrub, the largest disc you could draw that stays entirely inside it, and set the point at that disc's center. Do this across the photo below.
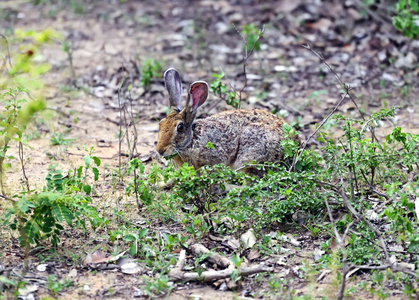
(40, 216)
(406, 21)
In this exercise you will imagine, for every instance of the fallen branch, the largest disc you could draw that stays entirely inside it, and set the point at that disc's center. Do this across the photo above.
(393, 267)
(218, 259)
(216, 275)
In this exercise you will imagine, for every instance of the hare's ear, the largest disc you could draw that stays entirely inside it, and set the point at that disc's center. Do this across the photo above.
(199, 93)
(174, 87)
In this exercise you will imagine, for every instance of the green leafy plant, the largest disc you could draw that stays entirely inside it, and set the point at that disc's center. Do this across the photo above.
(53, 6)
(252, 35)
(136, 239)
(149, 70)
(54, 285)
(59, 139)
(318, 95)
(13, 120)
(40, 216)
(158, 286)
(27, 67)
(220, 89)
(17, 108)
(407, 20)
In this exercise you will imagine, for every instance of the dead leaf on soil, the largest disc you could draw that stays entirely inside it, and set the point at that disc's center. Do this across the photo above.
(130, 268)
(283, 273)
(253, 254)
(42, 267)
(289, 239)
(393, 259)
(282, 260)
(334, 245)
(407, 61)
(323, 25)
(323, 274)
(248, 238)
(216, 238)
(287, 69)
(371, 215)
(407, 266)
(396, 248)
(28, 289)
(287, 6)
(318, 253)
(349, 274)
(72, 274)
(233, 243)
(99, 257)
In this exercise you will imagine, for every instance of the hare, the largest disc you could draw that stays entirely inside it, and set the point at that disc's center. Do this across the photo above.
(237, 136)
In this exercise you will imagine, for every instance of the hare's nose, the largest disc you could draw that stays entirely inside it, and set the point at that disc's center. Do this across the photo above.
(161, 152)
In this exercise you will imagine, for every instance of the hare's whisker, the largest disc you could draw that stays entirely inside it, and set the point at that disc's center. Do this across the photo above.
(178, 152)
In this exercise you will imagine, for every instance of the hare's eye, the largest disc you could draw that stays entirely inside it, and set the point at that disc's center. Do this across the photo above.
(180, 127)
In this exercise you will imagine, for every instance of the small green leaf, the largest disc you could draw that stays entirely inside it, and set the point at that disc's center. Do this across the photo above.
(87, 189)
(79, 171)
(96, 160)
(96, 173)
(209, 145)
(142, 233)
(87, 160)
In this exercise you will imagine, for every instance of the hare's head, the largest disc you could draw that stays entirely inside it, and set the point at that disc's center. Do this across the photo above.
(175, 132)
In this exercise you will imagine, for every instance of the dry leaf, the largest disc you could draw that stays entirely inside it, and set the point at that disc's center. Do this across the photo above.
(116, 257)
(72, 274)
(130, 268)
(323, 274)
(248, 238)
(407, 266)
(334, 245)
(371, 215)
(99, 257)
(318, 253)
(96, 257)
(349, 274)
(42, 267)
(283, 273)
(282, 260)
(253, 254)
(233, 243)
(28, 289)
(392, 259)
(289, 239)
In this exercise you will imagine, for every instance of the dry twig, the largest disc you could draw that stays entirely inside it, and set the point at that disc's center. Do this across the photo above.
(215, 258)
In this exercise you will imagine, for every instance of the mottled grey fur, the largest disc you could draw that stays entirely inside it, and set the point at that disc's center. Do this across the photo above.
(238, 136)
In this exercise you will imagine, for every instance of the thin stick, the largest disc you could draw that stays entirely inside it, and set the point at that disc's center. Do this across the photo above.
(347, 87)
(8, 52)
(23, 166)
(369, 224)
(120, 140)
(394, 268)
(343, 97)
(7, 198)
(341, 243)
(246, 57)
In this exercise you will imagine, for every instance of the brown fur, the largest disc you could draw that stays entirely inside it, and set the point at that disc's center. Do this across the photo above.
(238, 136)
